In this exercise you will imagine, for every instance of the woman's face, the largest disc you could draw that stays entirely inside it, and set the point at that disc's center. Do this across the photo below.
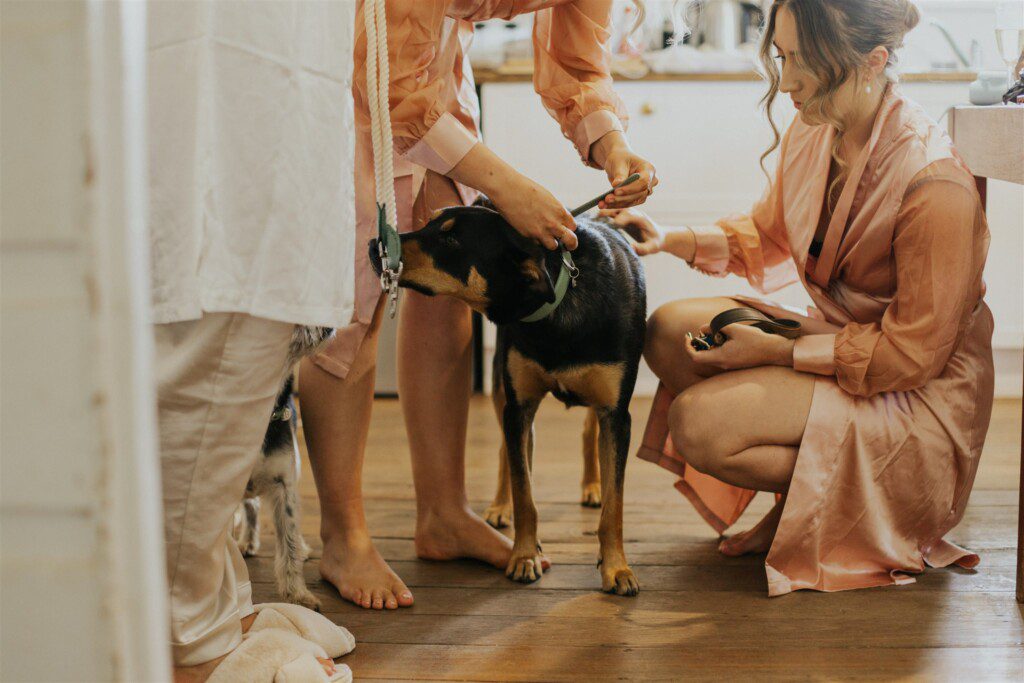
(800, 83)
(796, 82)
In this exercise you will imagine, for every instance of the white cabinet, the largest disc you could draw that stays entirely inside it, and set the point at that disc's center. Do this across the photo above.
(706, 139)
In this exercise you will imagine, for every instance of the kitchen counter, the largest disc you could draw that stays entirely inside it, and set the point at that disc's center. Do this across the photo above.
(521, 72)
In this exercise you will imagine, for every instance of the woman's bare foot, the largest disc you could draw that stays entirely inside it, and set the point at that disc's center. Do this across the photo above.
(201, 672)
(756, 540)
(356, 569)
(456, 532)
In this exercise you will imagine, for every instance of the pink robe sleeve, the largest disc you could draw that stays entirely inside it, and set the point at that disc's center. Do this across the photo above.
(424, 131)
(939, 250)
(572, 71)
(754, 246)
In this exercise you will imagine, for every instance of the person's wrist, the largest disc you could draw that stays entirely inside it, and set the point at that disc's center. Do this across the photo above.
(606, 145)
(503, 184)
(681, 243)
(783, 352)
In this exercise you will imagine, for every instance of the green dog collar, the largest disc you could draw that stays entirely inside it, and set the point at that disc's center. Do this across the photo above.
(567, 275)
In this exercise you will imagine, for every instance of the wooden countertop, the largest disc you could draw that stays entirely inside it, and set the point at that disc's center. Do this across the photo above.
(523, 72)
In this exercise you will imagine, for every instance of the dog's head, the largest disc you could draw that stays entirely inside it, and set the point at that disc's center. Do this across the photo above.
(473, 254)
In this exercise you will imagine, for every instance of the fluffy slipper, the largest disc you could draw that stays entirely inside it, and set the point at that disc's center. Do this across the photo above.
(262, 656)
(305, 670)
(313, 626)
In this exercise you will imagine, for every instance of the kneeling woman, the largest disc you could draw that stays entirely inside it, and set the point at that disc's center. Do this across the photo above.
(869, 427)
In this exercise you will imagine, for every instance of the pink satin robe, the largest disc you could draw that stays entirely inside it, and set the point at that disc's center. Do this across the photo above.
(434, 113)
(903, 386)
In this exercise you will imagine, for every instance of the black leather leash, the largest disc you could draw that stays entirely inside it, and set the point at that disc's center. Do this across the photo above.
(715, 337)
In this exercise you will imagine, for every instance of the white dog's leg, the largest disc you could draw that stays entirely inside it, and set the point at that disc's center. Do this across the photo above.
(288, 558)
(249, 534)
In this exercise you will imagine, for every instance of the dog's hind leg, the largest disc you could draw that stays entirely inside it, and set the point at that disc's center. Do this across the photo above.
(499, 513)
(525, 564)
(616, 576)
(591, 467)
(288, 557)
(249, 533)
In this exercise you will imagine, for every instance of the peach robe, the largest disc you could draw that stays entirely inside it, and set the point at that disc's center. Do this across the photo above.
(903, 387)
(434, 112)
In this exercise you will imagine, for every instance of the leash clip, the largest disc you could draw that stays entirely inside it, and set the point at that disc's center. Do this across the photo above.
(389, 279)
(390, 268)
(570, 266)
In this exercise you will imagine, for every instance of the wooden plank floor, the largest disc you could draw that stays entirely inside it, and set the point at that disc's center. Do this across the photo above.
(699, 615)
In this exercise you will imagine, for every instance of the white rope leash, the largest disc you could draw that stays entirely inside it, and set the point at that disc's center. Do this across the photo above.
(378, 80)
(378, 77)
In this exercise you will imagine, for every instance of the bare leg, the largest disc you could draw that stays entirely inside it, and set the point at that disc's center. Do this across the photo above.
(745, 428)
(434, 370)
(336, 421)
(666, 332)
(763, 467)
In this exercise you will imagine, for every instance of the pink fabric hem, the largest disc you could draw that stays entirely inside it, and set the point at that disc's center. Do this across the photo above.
(779, 584)
(944, 553)
(592, 128)
(444, 145)
(658, 458)
(713, 520)
(337, 356)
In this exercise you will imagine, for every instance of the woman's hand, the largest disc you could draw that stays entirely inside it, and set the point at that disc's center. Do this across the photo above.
(648, 236)
(535, 213)
(613, 154)
(746, 347)
(531, 210)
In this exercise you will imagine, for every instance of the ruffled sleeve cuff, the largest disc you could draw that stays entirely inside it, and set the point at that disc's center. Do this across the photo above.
(711, 250)
(815, 353)
(592, 128)
(444, 145)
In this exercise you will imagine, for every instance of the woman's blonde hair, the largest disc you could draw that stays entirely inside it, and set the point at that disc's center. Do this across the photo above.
(835, 38)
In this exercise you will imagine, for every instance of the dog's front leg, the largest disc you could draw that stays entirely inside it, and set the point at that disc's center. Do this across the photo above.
(525, 564)
(616, 576)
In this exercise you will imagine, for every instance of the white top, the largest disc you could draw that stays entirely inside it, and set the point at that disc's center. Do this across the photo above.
(251, 144)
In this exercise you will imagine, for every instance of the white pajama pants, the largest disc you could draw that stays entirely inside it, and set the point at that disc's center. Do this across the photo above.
(217, 381)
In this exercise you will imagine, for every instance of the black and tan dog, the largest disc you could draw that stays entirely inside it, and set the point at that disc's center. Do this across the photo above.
(585, 352)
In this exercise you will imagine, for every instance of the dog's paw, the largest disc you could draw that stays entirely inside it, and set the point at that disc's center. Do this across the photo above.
(524, 569)
(620, 582)
(591, 495)
(498, 516)
(250, 547)
(304, 598)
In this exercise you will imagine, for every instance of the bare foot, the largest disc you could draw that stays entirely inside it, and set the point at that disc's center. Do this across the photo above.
(201, 672)
(361, 575)
(456, 533)
(756, 540)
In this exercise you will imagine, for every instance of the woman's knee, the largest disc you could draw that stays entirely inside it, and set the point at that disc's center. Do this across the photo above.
(666, 333)
(693, 433)
(666, 329)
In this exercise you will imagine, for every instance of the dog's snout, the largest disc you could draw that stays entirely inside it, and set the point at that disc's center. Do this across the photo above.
(374, 256)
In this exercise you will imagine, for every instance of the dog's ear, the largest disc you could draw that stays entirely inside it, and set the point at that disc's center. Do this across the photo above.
(538, 280)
